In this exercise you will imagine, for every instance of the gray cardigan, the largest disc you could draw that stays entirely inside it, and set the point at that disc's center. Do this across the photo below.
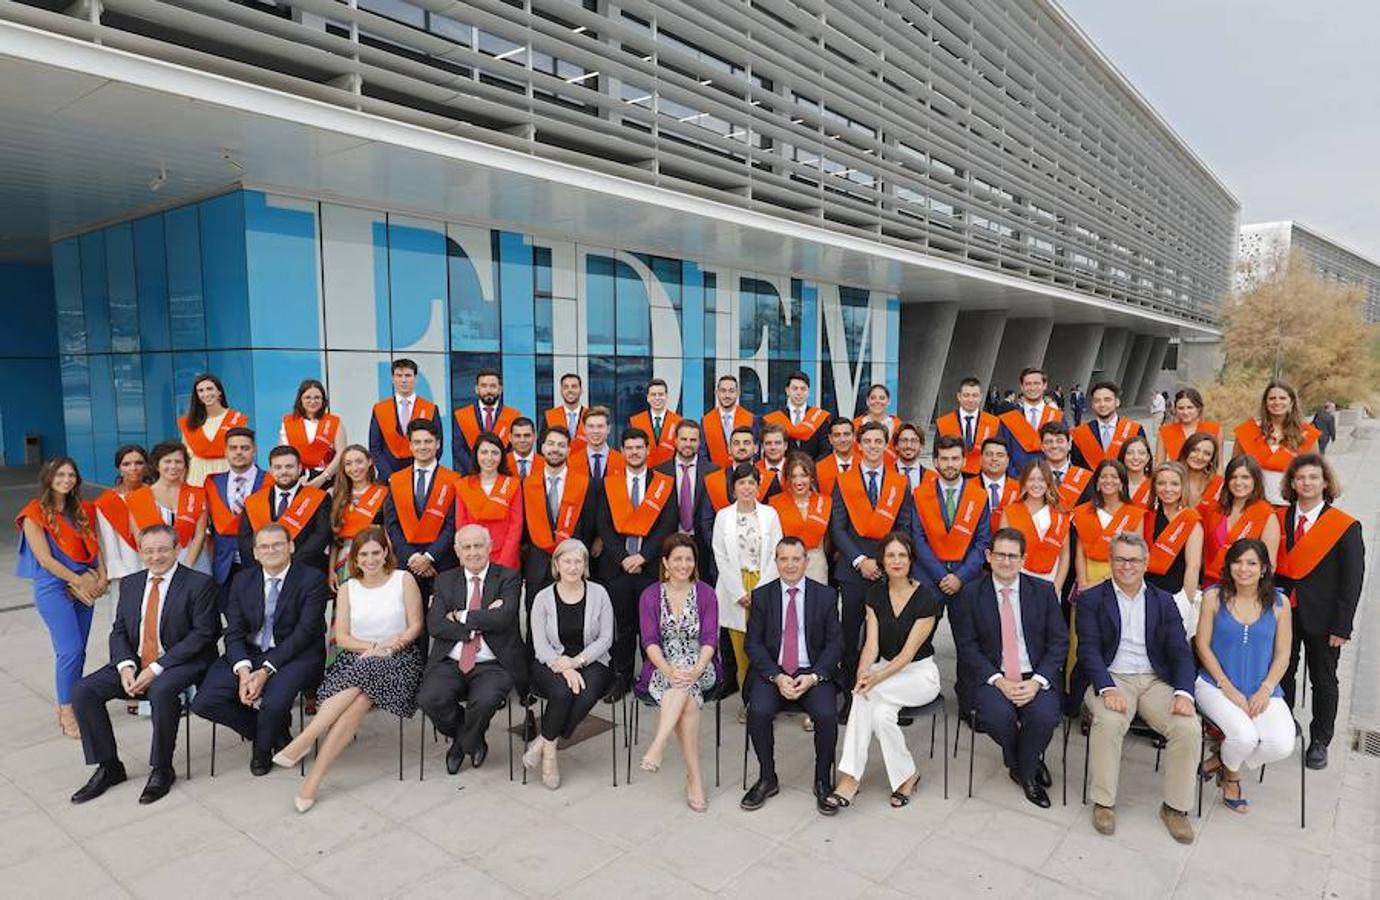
(546, 638)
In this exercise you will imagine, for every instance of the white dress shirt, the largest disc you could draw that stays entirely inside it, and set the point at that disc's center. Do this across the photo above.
(915, 474)
(405, 416)
(1015, 588)
(803, 653)
(485, 654)
(138, 637)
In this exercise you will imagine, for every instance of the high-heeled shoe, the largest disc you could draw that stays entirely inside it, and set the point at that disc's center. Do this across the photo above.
(698, 806)
(67, 721)
(287, 762)
(1240, 804)
(648, 764)
(533, 754)
(303, 803)
(550, 774)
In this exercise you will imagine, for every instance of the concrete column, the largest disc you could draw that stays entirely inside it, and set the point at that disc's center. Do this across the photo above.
(1135, 366)
(1072, 353)
(977, 336)
(1150, 381)
(1200, 360)
(1111, 358)
(927, 332)
(1022, 344)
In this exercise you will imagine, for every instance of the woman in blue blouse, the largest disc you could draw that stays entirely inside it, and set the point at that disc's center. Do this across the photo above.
(1243, 642)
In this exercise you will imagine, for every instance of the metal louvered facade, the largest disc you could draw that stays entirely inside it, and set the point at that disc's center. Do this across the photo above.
(983, 132)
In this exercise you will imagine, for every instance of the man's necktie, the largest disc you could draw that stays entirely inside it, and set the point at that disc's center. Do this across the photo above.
(687, 500)
(996, 496)
(1300, 526)
(148, 639)
(909, 471)
(656, 429)
(968, 431)
(1106, 435)
(728, 427)
(1033, 413)
(270, 612)
(553, 499)
(950, 496)
(1010, 648)
(284, 499)
(488, 418)
(237, 495)
(634, 543)
(790, 634)
(572, 422)
(597, 470)
(419, 494)
(795, 416)
(873, 490)
(1058, 477)
(405, 406)
(470, 649)
(522, 468)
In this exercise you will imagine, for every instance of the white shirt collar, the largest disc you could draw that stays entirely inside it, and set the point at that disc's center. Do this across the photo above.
(1308, 517)
(481, 575)
(281, 576)
(1129, 598)
(786, 586)
(988, 481)
(418, 467)
(1014, 587)
(950, 485)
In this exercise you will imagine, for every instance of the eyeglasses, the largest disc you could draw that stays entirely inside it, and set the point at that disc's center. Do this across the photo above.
(276, 545)
(1005, 557)
(1128, 560)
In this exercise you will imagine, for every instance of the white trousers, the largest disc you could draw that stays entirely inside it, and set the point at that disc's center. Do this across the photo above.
(1253, 742)
(874, 713)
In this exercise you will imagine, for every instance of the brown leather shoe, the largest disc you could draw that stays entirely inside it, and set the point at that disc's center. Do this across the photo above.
(1104, 819)
(1177, 823)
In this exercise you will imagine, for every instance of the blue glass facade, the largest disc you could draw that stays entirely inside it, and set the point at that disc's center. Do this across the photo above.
(267, 290)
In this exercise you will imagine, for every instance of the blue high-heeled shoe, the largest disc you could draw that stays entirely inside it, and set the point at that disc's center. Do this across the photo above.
(1240, 804)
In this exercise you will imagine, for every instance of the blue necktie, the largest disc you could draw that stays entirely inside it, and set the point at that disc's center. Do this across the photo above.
(419, 495)
(270, 612)
(635, 542)
(873, 491)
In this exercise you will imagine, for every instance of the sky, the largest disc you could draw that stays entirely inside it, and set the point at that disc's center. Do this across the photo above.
(1280, 98)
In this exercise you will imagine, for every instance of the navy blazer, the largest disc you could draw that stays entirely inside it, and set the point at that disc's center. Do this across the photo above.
(384, 460)
(224, 546)
(930, 567)
(442, 549)
(188, 622)
(299, 622)
(1099, 635)
(823, 633)
(976, 623)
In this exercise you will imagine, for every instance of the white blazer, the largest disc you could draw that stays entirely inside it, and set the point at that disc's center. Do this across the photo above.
(726, 555)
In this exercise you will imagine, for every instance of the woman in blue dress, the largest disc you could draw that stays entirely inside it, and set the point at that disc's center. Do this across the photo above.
(59, 550)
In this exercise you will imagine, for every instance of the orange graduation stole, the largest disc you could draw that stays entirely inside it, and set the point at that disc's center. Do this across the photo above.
(361, 513)
(716, 487)
(539, 528)
(79, 546)
(556, 416)
(629, 520)
(1016, 423)
(827, 472)
(986, 426)
(1071, 487)
(1086, 439)
(663, 448)
(869, 521)
(811, 525)
(484, 507)
(471, 426)
(320, 450)
(1042, 551)
(950, 544)
(116, 512)
(811, 422)
(715, 441)
(1250, 439)
(223, 521)
(1173, 435)
(441, 497)
(1250, 524)
(1141, 495)
(1095, 540)
(1166, 546)
(191, 503)
(258, 506)
(1010, 489)
(214, 447)
(394, 435)
(1298, 561)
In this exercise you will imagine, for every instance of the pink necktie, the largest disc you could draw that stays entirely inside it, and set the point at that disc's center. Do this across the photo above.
(488, 418)
(790, 640)
(406, 404)
(470, 649)
(1010, 652)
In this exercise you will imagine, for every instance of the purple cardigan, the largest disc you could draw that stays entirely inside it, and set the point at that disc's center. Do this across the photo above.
(649, 613)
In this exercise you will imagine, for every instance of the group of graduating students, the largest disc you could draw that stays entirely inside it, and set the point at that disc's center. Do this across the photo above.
(801, 558)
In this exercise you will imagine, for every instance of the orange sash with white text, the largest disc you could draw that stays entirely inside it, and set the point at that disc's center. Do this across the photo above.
(441, 497)
(491, 507)
(79, 546)
(868, 521)
(1029, 438)
(1085, 438)
(320, 450)
(1166, 546)
(1172, 436)
(1250, 524)
(116, 512)
(386, 415)
(467, 418)
(636, 521)
(1072, 486)
(813, 420)
(1298, 561)
(827, 472)
(1041, 550)
(361, 513)
(1250, 440)
(663, 448)
(1095, 540)
(950, 544)
(715, 441)
(258, 506)
(213, 447)
(576, 484)
(810, 526)
(986, 426)
(191, 503)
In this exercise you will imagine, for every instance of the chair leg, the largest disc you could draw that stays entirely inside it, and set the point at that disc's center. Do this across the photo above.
(1157, 758)
(629, 738)
(421, 748)
(958, 730)
(718, 737)
(934, 726)
(1064, 763)
(1202, 757)
(945, 755)
(213, 749)
(301, 725)
(187, 744)
(746, 739)
(1087, 751)
(508, 705)
(1303, 783)
(972, 740)
(613, 740)
(400, 748)
(1262, 774)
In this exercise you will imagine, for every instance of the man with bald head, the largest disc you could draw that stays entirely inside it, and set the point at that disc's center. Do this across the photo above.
(477, 655)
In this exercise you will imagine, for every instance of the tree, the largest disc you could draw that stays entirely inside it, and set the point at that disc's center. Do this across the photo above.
(1293, 324)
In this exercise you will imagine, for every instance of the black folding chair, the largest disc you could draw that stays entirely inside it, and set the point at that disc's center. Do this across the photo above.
(613, 701)
(301, 719)
(421, 753)
(642, 700)
(936, 709)
(975, 726)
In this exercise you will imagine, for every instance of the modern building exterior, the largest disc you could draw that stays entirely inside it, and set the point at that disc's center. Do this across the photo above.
(1264, 245)
(893, 192)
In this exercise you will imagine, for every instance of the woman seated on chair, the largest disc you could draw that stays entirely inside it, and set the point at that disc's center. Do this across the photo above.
(896, 669)
(572, 631)
(378, 620)
(680, 642)
(1243, 643)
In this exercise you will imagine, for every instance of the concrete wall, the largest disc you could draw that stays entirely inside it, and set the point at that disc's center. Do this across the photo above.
(1072, 353)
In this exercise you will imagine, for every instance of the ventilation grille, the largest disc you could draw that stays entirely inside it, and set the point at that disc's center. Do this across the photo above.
(1367, 741)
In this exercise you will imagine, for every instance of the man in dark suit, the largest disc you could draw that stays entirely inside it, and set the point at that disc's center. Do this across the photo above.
(1133, 652)
(1103, 436)
(1325, 420)
(1011, 642)
(476, 650)
(694, 512)
(419, 514)
(275, 647)
(304, 511)
(226, 493)
(795, 645)
(163, 640)
(1322, 566)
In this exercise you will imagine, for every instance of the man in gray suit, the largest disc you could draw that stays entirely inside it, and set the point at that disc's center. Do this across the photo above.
(1325, 420)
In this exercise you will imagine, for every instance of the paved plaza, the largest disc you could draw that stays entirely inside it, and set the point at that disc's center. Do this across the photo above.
(477, 835)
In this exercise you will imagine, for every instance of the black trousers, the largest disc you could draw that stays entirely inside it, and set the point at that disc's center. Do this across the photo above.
(624, 592)
(89, 698)
(566, 710)
(819, 703)
(1322, 672)
(218, 699)
(443, 688)
(853, 615)
(1022, 732)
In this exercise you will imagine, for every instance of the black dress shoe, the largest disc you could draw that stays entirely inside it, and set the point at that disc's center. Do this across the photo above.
(1042, 775)
(1316, 757)
(756, 796)
(822, 792)
(455, 757)
(480, 754)
(1034, 791)
(160, 782)
(106, 776)
(260, 762)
